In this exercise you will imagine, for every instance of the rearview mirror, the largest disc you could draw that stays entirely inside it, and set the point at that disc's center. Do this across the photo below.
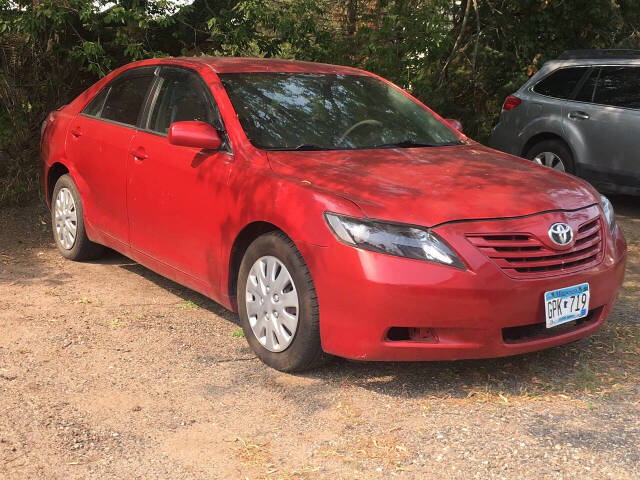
(194, 134)
(456, 124)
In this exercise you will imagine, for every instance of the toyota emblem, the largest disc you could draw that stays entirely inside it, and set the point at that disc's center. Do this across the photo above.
(561, 234)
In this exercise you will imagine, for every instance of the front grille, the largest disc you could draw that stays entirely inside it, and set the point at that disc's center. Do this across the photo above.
(522, 255)
(539, 331)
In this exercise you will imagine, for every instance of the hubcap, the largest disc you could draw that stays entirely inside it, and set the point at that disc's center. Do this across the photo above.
(549, 159)
(272, 304)
(66, 218)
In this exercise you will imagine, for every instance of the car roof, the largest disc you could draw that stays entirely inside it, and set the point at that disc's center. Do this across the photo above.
(576, 62)
(248, 64)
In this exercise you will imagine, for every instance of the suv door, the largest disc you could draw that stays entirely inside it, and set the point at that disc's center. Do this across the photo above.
(174, 192)
(602, 122)
(98, 143)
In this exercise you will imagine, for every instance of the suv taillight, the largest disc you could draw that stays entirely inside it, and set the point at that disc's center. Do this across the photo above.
(511, 102)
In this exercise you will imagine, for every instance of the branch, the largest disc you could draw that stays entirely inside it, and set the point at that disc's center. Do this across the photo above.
(463, 27)
(475, 48)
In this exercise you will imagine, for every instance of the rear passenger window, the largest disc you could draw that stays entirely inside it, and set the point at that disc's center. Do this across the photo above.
(94, 108)
(588, 88)
(561, 83)
(618, 87)
(126, 96)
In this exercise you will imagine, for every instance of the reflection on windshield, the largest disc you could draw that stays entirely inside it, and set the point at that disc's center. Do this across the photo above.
(304, 111)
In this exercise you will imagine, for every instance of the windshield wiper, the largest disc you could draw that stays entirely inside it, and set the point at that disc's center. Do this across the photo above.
(310, 147)
(300, 148)
(403, 144)
(411, 143)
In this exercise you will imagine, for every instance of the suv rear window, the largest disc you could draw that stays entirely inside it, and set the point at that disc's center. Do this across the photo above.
(618, 87)
(561, 83)
(586, 92)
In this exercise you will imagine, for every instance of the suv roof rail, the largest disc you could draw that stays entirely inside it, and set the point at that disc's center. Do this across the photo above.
(599, 54)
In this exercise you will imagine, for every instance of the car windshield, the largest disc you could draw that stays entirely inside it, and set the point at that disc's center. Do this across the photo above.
(305, 111)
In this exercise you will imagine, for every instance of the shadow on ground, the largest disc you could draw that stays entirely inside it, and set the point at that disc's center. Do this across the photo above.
(601, 364)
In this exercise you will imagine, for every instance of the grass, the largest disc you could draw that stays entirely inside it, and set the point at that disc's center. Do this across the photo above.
(115, 324)
(586, 380)
(237, 333)
(188, 305)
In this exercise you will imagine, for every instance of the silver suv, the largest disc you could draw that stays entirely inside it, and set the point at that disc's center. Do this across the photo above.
(579, 114)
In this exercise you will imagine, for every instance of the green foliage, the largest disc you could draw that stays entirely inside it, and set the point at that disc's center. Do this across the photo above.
(237, 333)
(461, 57)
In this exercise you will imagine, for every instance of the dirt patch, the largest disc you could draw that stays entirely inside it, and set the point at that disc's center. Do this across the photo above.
(108, 370)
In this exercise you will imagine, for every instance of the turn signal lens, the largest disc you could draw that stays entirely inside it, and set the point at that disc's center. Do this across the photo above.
(607, 209)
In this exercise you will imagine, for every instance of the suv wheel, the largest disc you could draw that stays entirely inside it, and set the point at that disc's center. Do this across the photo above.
(278, 305)
(552, 154)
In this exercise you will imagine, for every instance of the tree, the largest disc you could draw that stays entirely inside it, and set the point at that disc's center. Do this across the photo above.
(461, 57)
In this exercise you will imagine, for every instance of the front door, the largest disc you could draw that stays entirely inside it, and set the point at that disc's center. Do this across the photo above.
(173, 191)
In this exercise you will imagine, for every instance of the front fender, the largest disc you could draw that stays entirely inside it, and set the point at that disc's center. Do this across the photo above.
(295, 207)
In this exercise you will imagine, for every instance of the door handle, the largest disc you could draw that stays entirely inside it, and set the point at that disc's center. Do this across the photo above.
(76, 132)
(578, 116)
(139, 153)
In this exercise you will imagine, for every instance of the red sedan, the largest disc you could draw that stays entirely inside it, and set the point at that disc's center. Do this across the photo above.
(332, 210)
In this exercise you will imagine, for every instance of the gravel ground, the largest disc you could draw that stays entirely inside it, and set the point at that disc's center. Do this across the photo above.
(108, 370)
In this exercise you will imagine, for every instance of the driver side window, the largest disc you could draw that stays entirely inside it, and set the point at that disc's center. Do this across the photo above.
(182, 96)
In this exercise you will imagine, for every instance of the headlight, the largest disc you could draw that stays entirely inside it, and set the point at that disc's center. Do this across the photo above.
(607, 208)
(393, 239)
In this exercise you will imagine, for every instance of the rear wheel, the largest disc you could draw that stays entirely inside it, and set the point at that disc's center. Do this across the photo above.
(68, 222)
(553, 154)
(278, 305)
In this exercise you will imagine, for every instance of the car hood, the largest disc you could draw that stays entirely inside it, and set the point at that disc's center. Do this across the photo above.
(433, 185)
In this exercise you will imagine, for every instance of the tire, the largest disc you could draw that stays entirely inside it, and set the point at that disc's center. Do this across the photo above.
(69, 205)
(557, 148)
(273, 338)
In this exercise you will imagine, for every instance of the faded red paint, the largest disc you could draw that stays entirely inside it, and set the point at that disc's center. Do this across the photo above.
(178, 211)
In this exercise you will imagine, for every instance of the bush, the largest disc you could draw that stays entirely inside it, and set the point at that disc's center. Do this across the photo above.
(460, 57)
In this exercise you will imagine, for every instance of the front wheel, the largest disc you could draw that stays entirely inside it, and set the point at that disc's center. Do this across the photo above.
(278, 305)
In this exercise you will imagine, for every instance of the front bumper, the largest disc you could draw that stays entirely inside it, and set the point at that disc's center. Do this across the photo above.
(472, 313)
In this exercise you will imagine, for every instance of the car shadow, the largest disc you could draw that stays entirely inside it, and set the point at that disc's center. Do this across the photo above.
(557, 369)
(626, 206)
(111, 257)
(568, 369)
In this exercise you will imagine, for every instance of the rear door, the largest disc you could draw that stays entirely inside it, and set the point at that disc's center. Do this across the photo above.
(174, 193)
(98, 142)
(605, 115)
(553, 90)
(544, 111)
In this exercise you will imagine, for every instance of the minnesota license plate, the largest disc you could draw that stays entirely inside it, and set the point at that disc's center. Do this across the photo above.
(566, 304)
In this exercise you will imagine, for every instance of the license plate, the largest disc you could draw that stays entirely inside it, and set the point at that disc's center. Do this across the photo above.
(566, 304)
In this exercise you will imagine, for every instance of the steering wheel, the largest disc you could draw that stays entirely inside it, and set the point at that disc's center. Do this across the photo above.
(368, 121)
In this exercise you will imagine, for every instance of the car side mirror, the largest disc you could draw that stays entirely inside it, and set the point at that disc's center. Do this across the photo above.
(194, 134)
(456, 124)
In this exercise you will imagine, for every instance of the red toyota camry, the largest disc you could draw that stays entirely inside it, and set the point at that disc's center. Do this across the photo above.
(333, 211)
